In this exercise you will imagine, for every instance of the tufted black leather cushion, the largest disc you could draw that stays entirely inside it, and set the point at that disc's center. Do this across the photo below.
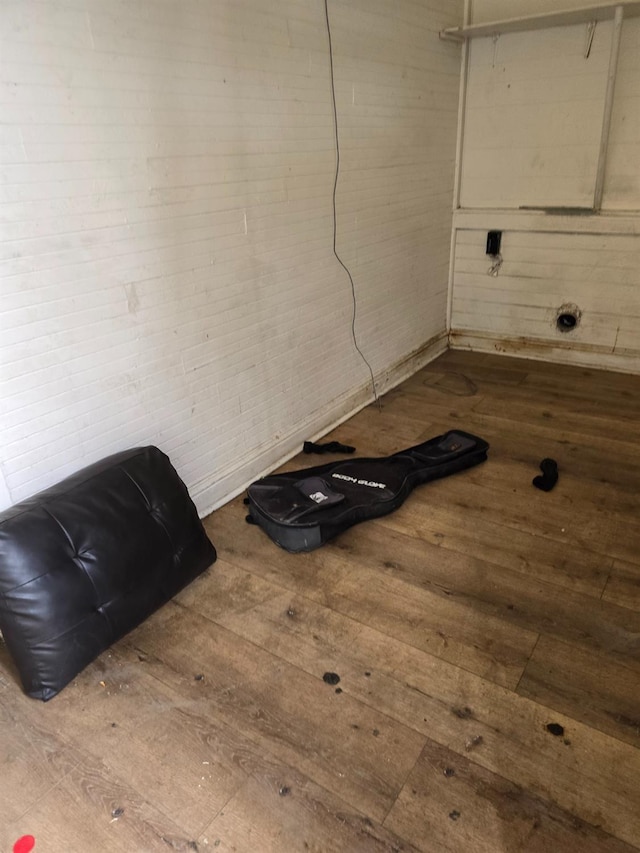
(87, 560)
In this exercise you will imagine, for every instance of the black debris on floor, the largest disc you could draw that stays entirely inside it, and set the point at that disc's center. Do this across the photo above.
(473, 743)
(463, 713)
(549, 477)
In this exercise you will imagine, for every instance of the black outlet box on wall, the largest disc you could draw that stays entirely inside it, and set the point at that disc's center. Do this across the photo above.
(494, 238)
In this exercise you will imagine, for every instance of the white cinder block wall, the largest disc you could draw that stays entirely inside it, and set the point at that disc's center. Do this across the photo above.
(166, 273)
(531, 137)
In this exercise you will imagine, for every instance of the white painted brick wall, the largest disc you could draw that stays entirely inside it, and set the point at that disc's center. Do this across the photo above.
(534, 117)
(166, 271)
(531, 138)
(498, 10)
(543, 270)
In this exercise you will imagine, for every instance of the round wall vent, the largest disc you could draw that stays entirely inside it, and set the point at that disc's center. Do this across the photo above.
(567, 318)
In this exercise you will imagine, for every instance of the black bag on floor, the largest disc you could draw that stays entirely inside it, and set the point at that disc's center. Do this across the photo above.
(301, 510)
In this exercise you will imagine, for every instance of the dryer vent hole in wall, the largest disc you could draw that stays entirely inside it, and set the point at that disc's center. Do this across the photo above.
(567, 318)
(567, 322)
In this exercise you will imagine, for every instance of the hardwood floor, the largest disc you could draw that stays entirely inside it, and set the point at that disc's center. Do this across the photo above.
(486, 637)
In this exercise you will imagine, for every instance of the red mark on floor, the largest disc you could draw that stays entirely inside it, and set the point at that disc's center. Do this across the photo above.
(24, 844)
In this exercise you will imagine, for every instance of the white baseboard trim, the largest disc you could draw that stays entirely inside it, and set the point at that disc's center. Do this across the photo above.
(560, 352)
(219, 488)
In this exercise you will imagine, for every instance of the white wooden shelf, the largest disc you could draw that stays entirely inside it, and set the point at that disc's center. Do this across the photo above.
(584, 14)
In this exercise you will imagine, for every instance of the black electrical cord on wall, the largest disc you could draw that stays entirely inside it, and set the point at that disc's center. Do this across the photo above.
(335, 218)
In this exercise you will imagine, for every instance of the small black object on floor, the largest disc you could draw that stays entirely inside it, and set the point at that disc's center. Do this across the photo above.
(549, 477)
(329, 447)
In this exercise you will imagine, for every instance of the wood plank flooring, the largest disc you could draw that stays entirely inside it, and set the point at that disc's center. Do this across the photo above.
(486, 636)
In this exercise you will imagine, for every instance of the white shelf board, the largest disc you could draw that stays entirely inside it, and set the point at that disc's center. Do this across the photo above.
(584, 14)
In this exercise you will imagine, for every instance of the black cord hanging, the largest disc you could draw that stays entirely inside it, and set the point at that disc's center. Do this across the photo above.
(335, 218)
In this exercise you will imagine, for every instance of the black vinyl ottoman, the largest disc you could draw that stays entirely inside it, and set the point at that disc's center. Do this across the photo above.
(84, 562)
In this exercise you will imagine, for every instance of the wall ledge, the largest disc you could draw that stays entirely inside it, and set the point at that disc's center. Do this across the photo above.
(625, 222)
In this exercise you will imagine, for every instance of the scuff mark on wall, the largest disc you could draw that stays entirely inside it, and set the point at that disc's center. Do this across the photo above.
(133, 300)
